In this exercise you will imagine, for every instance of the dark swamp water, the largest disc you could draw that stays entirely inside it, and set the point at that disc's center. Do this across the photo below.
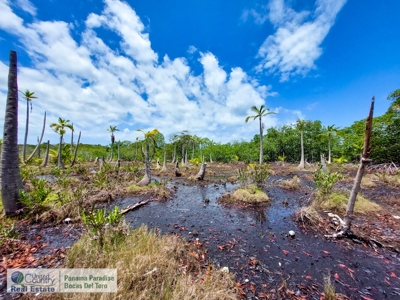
(255, 246)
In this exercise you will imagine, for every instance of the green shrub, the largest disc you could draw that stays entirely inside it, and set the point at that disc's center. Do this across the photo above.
(98, 222)
(325, 180)
(35, 199)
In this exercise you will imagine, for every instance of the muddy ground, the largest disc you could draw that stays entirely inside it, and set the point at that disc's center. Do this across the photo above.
(253, 241)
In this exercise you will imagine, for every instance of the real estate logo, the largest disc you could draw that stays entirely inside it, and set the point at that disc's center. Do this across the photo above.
(61, 280)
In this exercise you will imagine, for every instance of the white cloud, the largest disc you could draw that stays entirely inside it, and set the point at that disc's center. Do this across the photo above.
(96, 85)
(296, 44)
(27, 6)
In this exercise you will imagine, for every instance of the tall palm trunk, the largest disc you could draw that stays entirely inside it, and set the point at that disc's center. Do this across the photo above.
(11, 182)
(147, 175)
(261, 142)
(26, 132)
(173, 157)
(302, 163)
(164, 168)
(329, 150)
(60, 162)
(183, 155)
(46, 155)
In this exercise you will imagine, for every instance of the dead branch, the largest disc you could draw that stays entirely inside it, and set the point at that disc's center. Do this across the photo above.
(134, 206)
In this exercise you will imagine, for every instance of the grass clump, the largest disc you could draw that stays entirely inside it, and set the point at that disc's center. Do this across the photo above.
(150, 266)
(367, 182)
(158, 189)
(329, 289)
(249, 194)
(308, 216)
(292, 184)
(338, 202)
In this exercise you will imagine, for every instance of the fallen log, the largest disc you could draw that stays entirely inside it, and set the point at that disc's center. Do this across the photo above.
(134, 206)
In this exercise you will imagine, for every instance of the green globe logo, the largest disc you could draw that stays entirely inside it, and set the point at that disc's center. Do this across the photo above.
(17, 277)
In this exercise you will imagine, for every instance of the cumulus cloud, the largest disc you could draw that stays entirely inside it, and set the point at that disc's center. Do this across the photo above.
(296, 43)
(96, 85)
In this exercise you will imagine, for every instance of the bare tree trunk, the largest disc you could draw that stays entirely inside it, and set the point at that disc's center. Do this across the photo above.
(72, 140)
(202, 172)
(364, 161)
(323, 163)
(329, 150)
(76, 150)
(46, 155)
(348, 217)
(11, 182)
(261, 142)
(60, 162)
(301, 165)
(183, 155)
(38, 145)
(173, 157)
(40, 140)
(164, 168)
(186, 161)
(147, 175)
(119, 142)
(26, 132)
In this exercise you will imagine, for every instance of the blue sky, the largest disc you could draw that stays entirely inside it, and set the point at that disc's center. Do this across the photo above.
(198, 65)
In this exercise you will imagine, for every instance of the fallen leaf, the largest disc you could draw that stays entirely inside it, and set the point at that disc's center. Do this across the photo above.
(393, 275)
(252, 288)
(285, 251)
(308, 254)
(336, 276)
(326, 252)
(365, 297)
(308, 277)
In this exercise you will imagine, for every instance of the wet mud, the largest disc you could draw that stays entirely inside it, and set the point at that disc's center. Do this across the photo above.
(253, 243)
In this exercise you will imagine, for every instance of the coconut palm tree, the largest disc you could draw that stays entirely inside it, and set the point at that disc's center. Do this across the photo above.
(260, 112)
(28, 95)
(330, 133)
(60, 129)
(301, 126)
(11, 182)
(112, 129)
(149, 137)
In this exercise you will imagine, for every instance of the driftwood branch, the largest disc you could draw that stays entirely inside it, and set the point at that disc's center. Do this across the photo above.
(134, 206)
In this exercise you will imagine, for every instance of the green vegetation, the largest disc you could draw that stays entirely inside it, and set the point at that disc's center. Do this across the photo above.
(325, 180)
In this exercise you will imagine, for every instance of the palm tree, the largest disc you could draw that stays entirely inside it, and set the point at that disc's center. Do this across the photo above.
(112, 129)
(11, 182)
(150, 136)
(330, 133)
(301, 126)
(260, 112)
(60, 129)
(28, 95)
